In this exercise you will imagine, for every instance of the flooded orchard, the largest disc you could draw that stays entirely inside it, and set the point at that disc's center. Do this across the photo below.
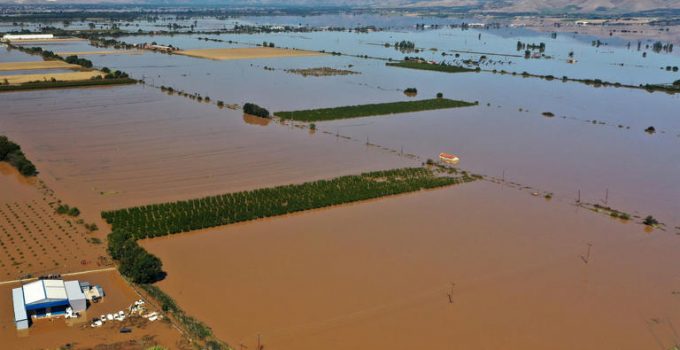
(536, 255)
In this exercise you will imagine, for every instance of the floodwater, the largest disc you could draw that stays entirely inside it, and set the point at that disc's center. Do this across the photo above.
(378, 275)
(593, 145)
(108, 148)
(518, 268)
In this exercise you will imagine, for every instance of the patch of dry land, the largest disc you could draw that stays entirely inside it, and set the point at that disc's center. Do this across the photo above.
(34, 65)
(58, 332)
(25, 78)
(246, 53)
(34, 239)
(108, 52)
(53, 40)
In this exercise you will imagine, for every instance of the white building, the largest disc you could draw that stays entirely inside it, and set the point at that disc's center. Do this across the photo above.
(46, 298)
(10, 37)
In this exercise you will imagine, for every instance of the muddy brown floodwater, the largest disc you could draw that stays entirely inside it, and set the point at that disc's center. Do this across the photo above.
(106, 148)
(478, 266)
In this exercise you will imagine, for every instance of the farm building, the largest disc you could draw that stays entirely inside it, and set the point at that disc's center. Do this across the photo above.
(46, 298)
(10, 37)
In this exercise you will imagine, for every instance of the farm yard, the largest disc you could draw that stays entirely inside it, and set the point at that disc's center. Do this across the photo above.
(79, 334)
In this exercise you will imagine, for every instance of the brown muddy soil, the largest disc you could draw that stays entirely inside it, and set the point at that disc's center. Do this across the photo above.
(34, 239)
(479, 266)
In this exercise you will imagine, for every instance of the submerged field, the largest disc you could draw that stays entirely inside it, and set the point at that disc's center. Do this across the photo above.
(381, 275)
(512, 260)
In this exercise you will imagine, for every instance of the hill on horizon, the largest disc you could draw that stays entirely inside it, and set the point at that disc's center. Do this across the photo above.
(566, 6)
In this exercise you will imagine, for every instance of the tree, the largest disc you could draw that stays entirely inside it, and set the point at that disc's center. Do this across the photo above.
(650, 221)
(7, 147)
(251, 108)
(135, 262)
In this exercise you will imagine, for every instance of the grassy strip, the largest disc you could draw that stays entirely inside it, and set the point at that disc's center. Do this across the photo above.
(193, 326)
(347, 112)
(675, 88)
(65, 84)
(427, 66)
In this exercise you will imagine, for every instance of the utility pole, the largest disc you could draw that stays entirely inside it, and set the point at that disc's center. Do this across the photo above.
(606, 196)
(586, 259)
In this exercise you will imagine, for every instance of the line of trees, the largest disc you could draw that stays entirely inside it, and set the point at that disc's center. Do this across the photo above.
(56, 84)
(374, 109)
(12, 153)
(73, 59)
(419, 63)
(169, 218)
(143, 268)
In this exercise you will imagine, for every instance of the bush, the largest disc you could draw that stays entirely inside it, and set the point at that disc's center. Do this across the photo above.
(65, 209)
(79, 61)
(253, 109)
(440, 95)
(650, 221)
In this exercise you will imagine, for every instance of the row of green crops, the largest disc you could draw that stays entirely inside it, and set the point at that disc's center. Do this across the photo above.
(168, 218)
(447, 68)
(65, 84)
(367, 110)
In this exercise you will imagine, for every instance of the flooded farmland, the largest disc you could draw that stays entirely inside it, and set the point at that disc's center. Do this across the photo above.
(529, 257)
(379, 275)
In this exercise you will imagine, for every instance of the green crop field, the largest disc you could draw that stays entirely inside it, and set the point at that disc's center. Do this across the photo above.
(346, 112)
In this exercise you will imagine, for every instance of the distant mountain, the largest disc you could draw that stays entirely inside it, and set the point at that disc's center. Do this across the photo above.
(572, 6)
